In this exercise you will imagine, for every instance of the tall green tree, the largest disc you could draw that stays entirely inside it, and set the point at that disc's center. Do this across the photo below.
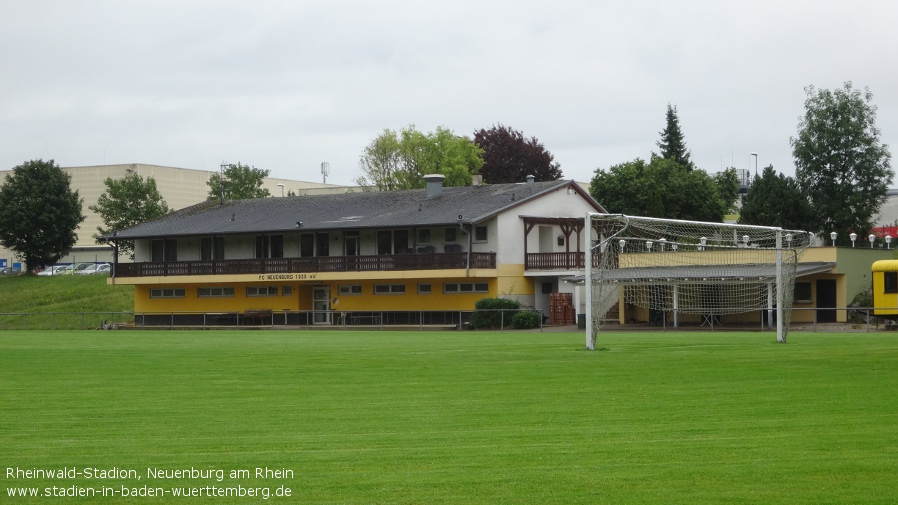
(39, 213)
(672, 143)
(841, 163)
(400, 160)
(775, 200)
(238, 182)
(664, 188)
(508, 156)
(127, 202)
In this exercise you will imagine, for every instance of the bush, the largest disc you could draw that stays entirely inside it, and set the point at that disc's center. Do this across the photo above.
(526, 320)
(493, 312)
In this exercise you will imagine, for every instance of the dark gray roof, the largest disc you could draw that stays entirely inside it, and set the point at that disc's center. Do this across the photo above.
(384, 209)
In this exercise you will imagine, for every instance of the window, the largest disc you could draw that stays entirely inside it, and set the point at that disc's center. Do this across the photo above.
(212, 248)
(167, 293)
(449, 234)
(261, 291)
(480, 233)
(277, 246)
(424, 236)
(164, 250)
(351, 243)
(392, 242)
(287, 290)
(322, 244)
(261, 246)
(214, 292)
(890, 282)
(802, 292)
(424, 289)
(465, 287)
(389, 289)
(306, 245)
(347, 289)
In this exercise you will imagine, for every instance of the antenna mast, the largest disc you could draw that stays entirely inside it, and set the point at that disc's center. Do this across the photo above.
(325, 170)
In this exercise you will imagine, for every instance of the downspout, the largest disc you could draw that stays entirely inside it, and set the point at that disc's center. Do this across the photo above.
(470, 244)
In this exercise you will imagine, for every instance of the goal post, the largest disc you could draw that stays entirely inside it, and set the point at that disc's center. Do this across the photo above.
(689, 269)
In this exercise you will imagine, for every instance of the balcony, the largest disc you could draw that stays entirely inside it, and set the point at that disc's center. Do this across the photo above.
(382, 263)
(558, 261)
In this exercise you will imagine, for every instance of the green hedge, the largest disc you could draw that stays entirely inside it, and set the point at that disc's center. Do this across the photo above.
(494, 313)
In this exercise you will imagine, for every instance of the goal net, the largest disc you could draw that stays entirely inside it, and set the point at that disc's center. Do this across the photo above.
(676, 268)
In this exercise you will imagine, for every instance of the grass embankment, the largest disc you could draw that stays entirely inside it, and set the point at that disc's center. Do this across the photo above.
(61, 302)
(458, 417)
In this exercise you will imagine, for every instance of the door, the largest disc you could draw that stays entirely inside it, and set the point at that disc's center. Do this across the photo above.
(826, 300)
(321, 305)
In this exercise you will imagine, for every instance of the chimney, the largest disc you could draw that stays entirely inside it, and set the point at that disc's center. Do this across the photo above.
(434, 185)
(530, 179)
(476, 180)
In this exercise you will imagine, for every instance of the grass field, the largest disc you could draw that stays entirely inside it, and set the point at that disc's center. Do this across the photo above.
(454, 417)
(61, 301)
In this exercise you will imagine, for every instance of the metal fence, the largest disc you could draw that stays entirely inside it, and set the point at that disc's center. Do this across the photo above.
(858, 319)
(260, 319)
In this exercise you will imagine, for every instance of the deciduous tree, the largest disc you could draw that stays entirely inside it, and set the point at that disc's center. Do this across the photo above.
(238, 182)
(841, 164)
(400, 160)
(663, 188)
(39, 213)
(127, 202)
(508, 156)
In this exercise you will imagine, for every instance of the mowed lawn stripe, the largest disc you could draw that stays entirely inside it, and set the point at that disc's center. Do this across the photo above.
(468, 417)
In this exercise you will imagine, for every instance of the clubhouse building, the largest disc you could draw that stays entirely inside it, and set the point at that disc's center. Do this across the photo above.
(413, 256)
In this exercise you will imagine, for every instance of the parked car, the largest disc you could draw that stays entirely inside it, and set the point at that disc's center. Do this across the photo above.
(10, 271)
(53, 270)
(94, 268)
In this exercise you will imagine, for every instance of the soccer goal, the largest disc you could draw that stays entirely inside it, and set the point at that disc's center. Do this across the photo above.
(689, 270)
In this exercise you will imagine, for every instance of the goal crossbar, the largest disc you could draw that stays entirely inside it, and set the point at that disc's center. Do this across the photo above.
(688, 267)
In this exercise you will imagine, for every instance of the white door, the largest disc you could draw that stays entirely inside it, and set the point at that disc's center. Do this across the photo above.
(321, 304)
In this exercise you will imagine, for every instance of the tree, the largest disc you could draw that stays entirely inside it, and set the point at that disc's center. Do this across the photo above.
(39, 213)
(672, 145)
(510, 157)
(127, 202)
(400, 160)
(238, 182)
(775, 200)
(840, 162)
(664, 188)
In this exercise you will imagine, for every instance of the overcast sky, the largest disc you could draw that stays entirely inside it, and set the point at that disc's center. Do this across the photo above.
(286, 85)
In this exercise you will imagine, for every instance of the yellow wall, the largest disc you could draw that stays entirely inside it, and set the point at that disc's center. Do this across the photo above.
(302, 294)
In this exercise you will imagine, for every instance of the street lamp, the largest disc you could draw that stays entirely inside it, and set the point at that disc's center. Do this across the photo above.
(756, 164)
(281, 185)
(871, 238)
(853, 237)
(833, 237)
(888, 241)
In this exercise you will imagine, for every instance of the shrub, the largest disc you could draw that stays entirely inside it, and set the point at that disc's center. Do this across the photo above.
(492, 312)
(526, 320)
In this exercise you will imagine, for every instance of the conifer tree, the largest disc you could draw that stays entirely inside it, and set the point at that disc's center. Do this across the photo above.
(672, 145)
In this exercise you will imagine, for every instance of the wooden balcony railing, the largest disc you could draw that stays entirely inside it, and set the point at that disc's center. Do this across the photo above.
(383, 263)
(558, 261)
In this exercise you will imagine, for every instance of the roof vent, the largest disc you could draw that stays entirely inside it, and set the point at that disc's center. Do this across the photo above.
(434, 184)
(530, 179)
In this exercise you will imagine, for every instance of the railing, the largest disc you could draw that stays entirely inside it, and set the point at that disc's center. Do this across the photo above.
(558, 261)
(382, 263)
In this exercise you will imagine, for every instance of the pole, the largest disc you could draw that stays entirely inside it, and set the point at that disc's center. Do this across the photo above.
(590, 341)
(780, 330)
